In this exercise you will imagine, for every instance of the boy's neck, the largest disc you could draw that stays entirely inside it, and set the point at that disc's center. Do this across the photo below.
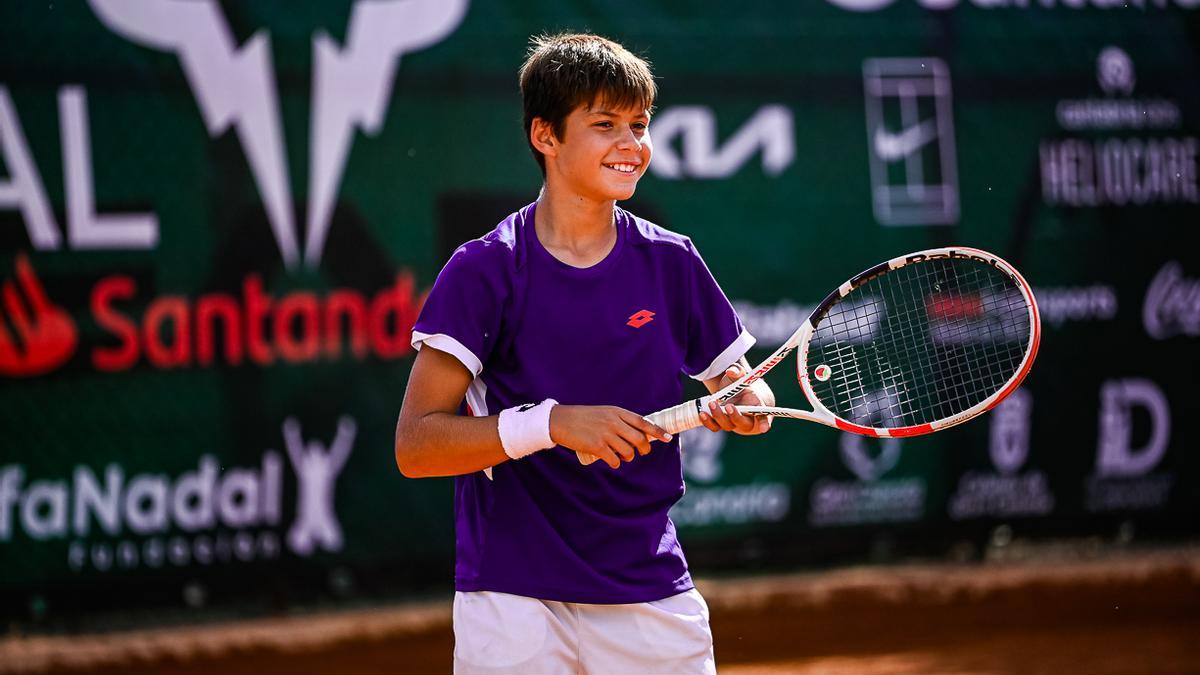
(575, 230)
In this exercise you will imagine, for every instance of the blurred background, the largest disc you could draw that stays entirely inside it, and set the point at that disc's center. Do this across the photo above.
(218, 220)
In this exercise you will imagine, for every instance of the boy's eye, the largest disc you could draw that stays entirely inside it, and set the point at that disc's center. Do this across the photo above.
(604, 125)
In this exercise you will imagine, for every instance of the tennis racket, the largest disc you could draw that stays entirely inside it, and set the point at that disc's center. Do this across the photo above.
(911, 346)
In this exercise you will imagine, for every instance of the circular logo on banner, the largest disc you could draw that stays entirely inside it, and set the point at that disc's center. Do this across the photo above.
(1114, 70)
(857, 456)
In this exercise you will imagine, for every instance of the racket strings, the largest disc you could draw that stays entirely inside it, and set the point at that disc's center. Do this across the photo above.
(921, 343)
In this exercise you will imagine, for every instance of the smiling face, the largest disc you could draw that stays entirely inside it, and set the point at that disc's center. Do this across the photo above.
(603, 151)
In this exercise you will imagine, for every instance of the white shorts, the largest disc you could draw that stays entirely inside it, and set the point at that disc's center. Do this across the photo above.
(501, 633)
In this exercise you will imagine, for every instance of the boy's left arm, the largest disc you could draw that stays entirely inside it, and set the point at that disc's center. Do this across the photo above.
(727, 418)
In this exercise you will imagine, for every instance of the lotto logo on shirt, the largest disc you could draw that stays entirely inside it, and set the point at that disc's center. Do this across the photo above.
(640, 318)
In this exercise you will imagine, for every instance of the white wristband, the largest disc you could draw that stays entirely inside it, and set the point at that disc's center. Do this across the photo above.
(526, 429)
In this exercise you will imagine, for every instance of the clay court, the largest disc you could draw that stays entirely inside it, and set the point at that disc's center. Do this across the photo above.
(1124, 612)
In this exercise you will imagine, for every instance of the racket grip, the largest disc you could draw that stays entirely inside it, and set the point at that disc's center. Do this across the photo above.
(673, 420)
(679, 418)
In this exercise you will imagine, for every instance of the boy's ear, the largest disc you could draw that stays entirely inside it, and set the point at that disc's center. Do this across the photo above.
(541, 135)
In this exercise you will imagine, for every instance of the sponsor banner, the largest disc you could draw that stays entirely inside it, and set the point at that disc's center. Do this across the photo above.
(872, 498)
(1006, 491)
(769, 134)
(252, 326)
(1172, 304)
(1062, 305)
(1126, 476)
(710, 501)
(212, 514)
(910, 133)
(1123, 170)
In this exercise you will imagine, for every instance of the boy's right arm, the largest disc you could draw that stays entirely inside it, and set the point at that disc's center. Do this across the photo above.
(432, 439)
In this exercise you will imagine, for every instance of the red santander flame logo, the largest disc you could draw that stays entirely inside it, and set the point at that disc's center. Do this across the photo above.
(36, 336)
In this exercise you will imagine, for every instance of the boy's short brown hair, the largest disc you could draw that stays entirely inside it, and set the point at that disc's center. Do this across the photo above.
(567, 70)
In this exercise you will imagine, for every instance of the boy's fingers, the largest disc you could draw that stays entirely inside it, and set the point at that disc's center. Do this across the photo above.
(744, 423)
(624, 449)
(721, 416)
(603, 454)
(708, 422)
(610, 458)
(732, 373)
(643, 444)
(637, 439)
(650, 429)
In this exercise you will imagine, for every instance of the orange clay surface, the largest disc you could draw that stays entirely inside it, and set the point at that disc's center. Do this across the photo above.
(1114, 612)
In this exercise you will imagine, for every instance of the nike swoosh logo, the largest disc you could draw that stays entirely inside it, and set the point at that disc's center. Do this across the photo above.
(891, 147)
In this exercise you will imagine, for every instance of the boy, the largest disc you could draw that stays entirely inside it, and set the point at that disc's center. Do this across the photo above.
(572, 319)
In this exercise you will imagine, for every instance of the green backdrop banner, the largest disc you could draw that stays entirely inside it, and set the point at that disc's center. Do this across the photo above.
(218, 220)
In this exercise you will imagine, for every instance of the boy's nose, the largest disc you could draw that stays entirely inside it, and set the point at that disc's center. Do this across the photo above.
(629, 139)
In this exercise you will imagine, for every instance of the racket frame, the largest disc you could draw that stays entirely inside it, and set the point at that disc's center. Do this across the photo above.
(687, 415)
(683, 415)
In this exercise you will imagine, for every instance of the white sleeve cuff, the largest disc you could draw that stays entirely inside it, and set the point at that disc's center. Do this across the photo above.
(445, 343)
(727, 358)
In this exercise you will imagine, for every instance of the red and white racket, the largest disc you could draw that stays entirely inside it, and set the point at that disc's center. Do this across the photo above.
(913, 345)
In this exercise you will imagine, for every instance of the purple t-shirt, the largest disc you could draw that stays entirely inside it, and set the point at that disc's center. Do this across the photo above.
(530, 327)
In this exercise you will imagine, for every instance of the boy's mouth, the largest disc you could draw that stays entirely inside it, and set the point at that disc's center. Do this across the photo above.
(623, 168)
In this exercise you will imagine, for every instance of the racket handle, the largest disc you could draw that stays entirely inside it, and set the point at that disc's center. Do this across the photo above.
(673, 420)
(680, 418)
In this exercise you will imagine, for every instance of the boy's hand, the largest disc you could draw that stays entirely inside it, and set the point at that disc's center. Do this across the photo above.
(610, 433)
(727, 418)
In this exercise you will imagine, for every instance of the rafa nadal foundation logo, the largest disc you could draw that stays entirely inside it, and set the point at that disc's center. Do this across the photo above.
(317, 469)
(234, 86)
(217, 512)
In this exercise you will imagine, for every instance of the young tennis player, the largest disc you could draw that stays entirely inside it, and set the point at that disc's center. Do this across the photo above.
(552, 334)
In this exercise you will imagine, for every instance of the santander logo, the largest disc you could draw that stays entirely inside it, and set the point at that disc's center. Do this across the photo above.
(36, 336)
(252, 327)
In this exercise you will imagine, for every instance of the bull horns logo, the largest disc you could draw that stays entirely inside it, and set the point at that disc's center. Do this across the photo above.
(235, 87)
